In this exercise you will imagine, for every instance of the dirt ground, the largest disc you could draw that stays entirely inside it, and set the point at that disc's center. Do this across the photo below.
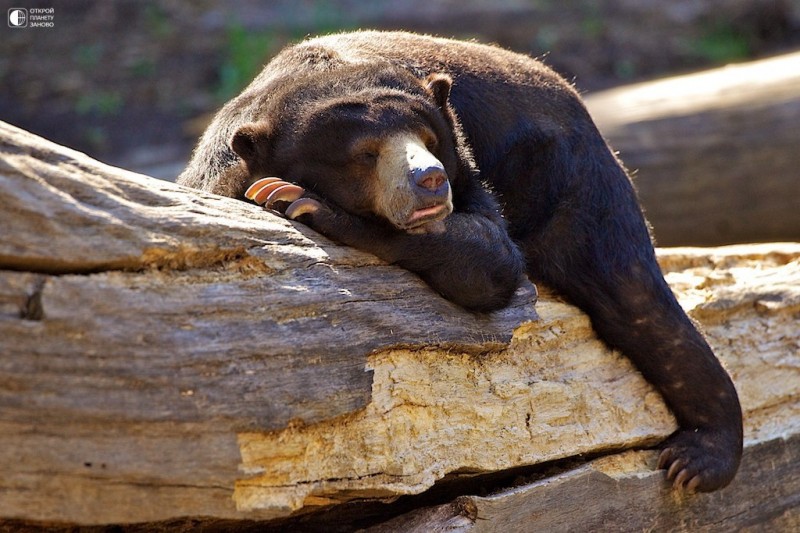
(132, 83)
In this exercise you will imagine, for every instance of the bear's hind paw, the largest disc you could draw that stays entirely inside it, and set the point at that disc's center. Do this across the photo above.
(699, 460)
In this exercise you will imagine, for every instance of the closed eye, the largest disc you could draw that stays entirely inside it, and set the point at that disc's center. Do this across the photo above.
(365, 152)
(430, 140)
(368, 157)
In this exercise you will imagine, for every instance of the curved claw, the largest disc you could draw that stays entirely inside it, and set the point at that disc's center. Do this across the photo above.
(257, 185)
(681, 479)
(267, 191)
(664, 458)
(701, 460)
(263, 194)
(301, 207)
(674, 468)
(283, 192)
(691, 487)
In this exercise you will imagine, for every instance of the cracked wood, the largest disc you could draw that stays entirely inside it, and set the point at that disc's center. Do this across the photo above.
(141, 319)
(203, 358)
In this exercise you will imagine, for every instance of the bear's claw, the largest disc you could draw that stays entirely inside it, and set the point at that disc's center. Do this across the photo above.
(283, 193)
(301, 207)
(696, 461)
(679, 472)
(267, 191)
(257, 186)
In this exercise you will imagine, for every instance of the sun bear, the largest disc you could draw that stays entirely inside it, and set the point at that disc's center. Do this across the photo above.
(471, 166)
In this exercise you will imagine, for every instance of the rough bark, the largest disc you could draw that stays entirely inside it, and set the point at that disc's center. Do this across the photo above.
(622, 493)
(715, 153)
(171, 357)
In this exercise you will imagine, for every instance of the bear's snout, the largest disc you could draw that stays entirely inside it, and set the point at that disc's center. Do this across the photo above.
(429, 181)
(414, 190)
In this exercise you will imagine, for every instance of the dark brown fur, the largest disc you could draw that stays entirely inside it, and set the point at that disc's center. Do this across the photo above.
(570, 216)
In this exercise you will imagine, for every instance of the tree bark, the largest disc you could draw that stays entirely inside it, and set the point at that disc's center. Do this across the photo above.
(623, 493)
(171, 357)
(715, 154)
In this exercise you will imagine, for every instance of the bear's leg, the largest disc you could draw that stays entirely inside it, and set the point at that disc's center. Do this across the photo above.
(594, 248)
(633, 310)
(473, 262)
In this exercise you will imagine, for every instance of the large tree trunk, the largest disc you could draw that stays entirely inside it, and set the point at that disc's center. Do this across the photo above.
(716, 155)
(175, 357)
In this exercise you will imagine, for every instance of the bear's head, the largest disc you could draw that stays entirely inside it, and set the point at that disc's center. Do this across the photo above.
(383, 145)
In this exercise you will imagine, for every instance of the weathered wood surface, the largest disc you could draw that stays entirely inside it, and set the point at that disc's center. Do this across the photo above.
(622, 493)
(167, 354)
(715, 153)
(747, 299)
(143, 325)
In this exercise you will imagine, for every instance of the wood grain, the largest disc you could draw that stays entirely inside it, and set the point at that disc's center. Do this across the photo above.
(623, 494)
(168, 356)
(143, 325)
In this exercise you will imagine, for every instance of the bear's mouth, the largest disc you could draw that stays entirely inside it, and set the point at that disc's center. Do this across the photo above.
(425, 214)
(428, 219)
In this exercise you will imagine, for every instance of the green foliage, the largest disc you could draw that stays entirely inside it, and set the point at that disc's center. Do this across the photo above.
(88, 56)
(625, 69)
(103, 103)
(328, 17)
(96, 137)
(245, 53)
(593, 27)
(722, 43)
(157, 21)
(142, 67)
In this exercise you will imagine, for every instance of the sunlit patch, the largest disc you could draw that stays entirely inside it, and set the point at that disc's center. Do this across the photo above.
(406, 205)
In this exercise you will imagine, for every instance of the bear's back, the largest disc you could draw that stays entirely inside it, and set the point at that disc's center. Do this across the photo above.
(496, 93)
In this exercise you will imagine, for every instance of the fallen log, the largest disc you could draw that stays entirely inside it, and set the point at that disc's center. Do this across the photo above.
(622, 493)
(171, 357)
(714, 153)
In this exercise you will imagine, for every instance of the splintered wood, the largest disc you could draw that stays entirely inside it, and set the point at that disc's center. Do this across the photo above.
(170, 355)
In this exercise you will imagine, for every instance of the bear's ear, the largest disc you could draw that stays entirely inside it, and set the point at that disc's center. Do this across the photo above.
(439, 85)
(252, 143)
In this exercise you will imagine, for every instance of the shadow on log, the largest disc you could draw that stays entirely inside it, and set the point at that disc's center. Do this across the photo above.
(172, 358)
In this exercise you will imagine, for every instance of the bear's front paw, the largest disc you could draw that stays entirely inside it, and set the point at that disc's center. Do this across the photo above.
(700, 460)
(286, 198)
(302, 206)
(273, 193)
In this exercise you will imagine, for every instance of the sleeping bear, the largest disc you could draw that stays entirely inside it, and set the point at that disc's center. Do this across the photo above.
(472, 166)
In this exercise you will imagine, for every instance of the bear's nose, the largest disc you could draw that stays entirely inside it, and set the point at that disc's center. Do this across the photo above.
(431, 179)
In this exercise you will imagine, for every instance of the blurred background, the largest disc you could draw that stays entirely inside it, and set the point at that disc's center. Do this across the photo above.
(133, 83)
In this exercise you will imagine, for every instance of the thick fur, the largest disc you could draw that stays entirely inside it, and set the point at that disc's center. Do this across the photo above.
(514, 138)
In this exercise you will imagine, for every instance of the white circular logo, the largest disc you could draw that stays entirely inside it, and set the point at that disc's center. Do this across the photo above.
(17, 17)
